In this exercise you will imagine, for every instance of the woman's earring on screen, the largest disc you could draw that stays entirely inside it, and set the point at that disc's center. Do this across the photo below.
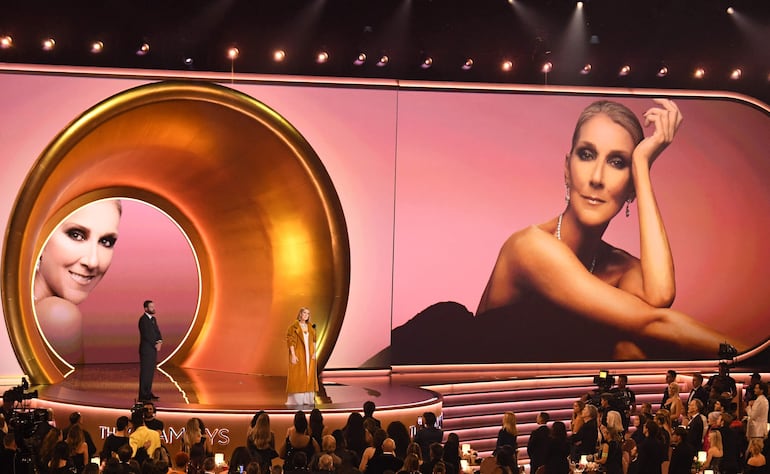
(566, 193)
(628, 211)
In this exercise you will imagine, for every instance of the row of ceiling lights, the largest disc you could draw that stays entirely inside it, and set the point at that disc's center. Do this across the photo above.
(48, 44)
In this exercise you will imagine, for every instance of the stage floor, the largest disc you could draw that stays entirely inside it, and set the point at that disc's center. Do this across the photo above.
(184, 389)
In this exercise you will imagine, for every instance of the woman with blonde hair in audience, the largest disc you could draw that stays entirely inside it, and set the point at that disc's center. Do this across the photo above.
(45, 453)
(674, 403)
(508, 433)
(577, 415)
(261, 440)
(78, 449)
(756, 463)
(415, 449)
(715, 451)
(411, 464)
(610, 453)
(193, 435)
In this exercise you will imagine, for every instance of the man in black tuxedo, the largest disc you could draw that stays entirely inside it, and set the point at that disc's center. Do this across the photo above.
(682, 452)
(538, 442)
(670, 377)
(698, 391)
(696, 424)
(385, 461)
(150, 341)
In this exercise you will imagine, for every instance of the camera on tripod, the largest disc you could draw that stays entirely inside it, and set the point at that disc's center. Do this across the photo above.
(19, 393)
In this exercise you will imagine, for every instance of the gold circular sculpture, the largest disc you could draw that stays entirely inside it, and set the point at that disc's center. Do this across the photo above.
(252, 196)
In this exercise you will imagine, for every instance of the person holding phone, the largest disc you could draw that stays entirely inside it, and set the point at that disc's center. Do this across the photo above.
(427, 433)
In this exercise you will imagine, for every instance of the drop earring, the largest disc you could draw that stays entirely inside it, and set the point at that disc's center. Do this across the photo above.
(566, 193)
(628, 211)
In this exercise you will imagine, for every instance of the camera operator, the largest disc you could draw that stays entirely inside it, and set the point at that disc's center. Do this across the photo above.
(627, 399)
(150, 421)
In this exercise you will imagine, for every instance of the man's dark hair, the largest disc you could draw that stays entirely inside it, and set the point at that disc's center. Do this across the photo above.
(121, 423)
(74, 418)
(763, 387)
(430, 418)
(545, 416)
(209, 464)
(671, 373)
(436, 450)
(369, 408)
(137, 419)
(147, 303)
(124, 453)
(624, 377)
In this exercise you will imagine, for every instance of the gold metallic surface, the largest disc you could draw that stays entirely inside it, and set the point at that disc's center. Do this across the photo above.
(248, 190)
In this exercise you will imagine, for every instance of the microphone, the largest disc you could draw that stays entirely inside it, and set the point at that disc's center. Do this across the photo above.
(313, 325)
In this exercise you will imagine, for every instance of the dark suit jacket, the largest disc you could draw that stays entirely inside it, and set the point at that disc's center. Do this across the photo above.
(537, 445)
(149, 334)
(383, 462)
(699, 393)
(681, 459)
(695, 432)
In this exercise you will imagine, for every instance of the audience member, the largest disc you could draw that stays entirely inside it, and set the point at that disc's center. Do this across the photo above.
(674, 404)
(508, 434)
(239, 459)
(181, 459)
(452, 453)
(715, 452)
(651, 453)
(584, 441)
(369, 408)
(10, 458)
(722, 385)
(261, 440)
(610, 454)
(557, 452)
(115, 440)
(398, 432)
(298, 440)
(731, 446)
(325, 465)
(682, 452)
(538, 442)
(428, 434)
(60, 460)
(140, 437)
(748, 391)
(195, 433)
(373, 450)
(78, 449)
(503, 462)
(577, 415)
(316, 427)
(757, 411)
(627, 399)
(355, 435)
(411, 465)
(435, 455)
(696, 424)
(698, 391)
(77, 419)
(670, 377)
(385, 460)
(756, 462)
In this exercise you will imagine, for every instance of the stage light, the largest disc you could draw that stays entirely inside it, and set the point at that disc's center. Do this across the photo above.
(625, 70)
(426, 63)
(360, 59)
(97, 47)
(580, 5)
(188, 61)
(699, 73)
(467, 64)
(322, 57)
(506, 65)
(6, 42)
(547, 67)
(662, 72)
(384, 59)
(48, 44)
(143, 49)
(586, 69)
(279, 55)
(233, 53)
(736, 74)
(730, 10)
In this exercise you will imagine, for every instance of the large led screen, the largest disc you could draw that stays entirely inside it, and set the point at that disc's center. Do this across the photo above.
(435, 186)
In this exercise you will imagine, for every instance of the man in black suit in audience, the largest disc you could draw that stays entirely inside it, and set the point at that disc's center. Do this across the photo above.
(538, 442)
(698, 392)
(428, 434)
(696, 424)
(150, 342)
(670, 377)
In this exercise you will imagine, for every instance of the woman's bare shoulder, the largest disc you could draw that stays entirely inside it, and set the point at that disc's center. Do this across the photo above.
(57, 308)
(525, 239)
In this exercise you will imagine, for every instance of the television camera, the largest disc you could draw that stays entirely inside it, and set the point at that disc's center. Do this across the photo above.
(25, 422)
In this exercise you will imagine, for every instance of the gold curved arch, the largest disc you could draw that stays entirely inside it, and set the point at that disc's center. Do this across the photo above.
(248, 190)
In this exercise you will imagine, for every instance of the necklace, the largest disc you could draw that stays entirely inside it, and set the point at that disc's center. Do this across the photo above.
(558, 237)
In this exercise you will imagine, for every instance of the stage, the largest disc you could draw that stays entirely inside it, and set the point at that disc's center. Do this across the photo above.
(224, 401)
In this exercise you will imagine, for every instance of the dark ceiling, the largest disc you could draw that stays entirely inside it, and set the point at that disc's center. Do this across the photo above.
(647, 35)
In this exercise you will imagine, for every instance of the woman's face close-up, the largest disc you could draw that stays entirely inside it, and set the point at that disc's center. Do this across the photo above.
(599, 170)
(79, 253)
(304, 316)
